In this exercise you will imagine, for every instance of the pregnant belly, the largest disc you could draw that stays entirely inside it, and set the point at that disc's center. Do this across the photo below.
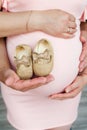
(66, 58)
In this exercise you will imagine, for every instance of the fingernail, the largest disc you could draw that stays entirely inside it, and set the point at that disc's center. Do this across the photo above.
(67, 90)
(52, 96)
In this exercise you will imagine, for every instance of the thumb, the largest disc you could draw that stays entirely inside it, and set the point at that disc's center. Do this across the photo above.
(68, 89)
(71, 87)
(11, 77)
(83, 40)
(9, 81)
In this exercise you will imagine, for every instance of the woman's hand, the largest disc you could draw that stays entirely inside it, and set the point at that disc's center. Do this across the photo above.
(83, 57)
(81, 80)
(73, 89)
(12, 80)
(54, 22)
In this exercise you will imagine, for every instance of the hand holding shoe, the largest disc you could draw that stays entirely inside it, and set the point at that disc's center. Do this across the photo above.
(12, 80)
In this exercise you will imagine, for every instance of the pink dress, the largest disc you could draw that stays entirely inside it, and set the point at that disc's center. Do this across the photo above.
(33, 110)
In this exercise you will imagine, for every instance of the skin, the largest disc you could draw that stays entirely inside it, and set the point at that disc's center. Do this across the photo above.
(55, 23)
(81, 80)
(83, 38)
(73, 89)
(28, 22)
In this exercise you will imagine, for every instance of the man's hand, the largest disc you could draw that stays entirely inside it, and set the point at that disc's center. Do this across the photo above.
(12, 80)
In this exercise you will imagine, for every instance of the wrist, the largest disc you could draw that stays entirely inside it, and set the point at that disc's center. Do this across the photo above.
(35, 21)
(3, 73)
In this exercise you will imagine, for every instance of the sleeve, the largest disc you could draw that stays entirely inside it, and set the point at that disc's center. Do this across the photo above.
(4, 5)
(84, 15)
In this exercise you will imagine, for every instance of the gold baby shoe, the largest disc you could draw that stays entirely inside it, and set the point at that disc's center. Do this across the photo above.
(43, 58)
(23, 61)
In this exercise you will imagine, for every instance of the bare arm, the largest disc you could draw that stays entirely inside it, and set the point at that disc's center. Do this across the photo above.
(53, 22)
(84, 29)
(84, 25)
(4, 62)
(13, 23)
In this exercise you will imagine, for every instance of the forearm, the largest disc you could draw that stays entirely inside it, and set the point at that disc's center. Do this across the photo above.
(12, 23)
(83, 26)
(19, 22)
(4, 62)
(84, 30)
(52, 22)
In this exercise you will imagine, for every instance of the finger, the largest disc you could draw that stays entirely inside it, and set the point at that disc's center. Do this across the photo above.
(21, 84)
(72, 18)
(72, 24)
(84, 52)
(63, 96)
(82, 66)
(32, 87)
(9, 81)
(49, 78)
(60, 96)
(11, 78)
(71, 87)
(83, 40)
(72, 30)
(32, 83)
(67, 35)
(82, 57)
